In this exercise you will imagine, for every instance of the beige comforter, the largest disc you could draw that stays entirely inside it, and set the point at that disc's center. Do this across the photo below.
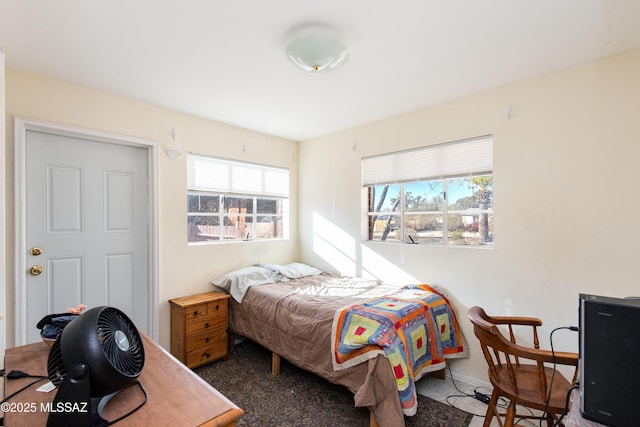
(293, 319)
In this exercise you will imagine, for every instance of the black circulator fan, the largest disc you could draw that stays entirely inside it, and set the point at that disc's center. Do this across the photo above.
(97, 355)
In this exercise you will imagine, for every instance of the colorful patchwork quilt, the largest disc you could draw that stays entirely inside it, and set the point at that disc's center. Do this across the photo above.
(414, 327)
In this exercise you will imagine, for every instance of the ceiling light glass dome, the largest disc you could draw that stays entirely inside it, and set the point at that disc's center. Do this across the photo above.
(316, 49)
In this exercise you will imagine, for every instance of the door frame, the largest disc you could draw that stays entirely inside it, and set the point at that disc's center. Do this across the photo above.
(21, 126)
(3, 223)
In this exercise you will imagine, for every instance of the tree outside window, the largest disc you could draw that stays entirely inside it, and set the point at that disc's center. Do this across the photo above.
(453, 211)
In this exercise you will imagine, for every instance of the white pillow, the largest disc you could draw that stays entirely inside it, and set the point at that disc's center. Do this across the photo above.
(294, 270)
(238, 281)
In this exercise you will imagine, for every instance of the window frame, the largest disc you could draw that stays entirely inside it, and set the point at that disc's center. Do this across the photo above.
(209, 186)
(444, 163)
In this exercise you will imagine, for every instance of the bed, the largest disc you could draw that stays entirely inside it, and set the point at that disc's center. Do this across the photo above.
(293, 311)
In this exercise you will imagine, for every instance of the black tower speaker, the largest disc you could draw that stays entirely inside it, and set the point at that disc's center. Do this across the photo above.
(610, 359)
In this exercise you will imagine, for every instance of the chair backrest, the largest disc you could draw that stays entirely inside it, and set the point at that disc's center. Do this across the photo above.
(502, 353)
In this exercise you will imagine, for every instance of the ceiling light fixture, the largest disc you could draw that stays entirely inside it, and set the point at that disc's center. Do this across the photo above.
(316, 49)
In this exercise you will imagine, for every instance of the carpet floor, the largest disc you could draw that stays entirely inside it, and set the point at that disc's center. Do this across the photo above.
(297, 397)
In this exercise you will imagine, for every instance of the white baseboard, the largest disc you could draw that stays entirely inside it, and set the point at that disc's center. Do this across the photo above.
(471, 381)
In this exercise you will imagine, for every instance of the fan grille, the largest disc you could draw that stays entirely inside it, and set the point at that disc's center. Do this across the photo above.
(55, 365)
(120, 342)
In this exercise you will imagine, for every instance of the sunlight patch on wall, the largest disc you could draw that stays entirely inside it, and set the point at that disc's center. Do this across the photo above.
(350, 257)
(376, 266)
(334, 246)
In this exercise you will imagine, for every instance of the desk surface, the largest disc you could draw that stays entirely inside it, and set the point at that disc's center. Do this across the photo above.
(176, 396)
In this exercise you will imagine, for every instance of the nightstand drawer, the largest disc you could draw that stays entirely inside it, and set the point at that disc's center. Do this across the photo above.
(206, 338)
(203, 355)
(207, 322)
(195, 312)
(200, 311)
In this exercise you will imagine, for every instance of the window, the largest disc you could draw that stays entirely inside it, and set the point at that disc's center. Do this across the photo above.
(439, 195)
(232, 201)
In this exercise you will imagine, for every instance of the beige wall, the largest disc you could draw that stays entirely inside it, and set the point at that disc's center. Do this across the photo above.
(183, 269)
(566, 181)
(566, 177)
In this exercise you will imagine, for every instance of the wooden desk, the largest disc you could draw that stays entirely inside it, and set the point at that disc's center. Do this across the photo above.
(176, 396)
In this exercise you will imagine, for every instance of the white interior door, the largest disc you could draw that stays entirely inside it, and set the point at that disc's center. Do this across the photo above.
(86, 217)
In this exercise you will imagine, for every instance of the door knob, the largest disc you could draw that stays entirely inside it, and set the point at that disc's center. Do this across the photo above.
(36, 270)
(35, 251)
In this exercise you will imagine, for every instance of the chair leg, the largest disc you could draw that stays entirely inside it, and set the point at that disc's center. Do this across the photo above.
(550, 420)
(511, 414)
(491, 410)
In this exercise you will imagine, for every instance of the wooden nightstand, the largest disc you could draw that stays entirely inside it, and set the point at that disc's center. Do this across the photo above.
(199, 328)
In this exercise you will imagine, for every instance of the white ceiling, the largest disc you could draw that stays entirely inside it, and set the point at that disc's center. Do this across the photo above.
(224, 60)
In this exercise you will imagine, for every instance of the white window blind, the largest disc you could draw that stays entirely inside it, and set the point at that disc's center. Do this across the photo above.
(213, 174)
(460, 158)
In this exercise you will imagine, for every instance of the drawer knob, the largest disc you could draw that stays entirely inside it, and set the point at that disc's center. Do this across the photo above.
(206, 325)
(206, 355)
(195, 313)
(217, 307)
(207, 339)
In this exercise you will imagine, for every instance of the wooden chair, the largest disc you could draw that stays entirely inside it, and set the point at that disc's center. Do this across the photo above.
(519, 373)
